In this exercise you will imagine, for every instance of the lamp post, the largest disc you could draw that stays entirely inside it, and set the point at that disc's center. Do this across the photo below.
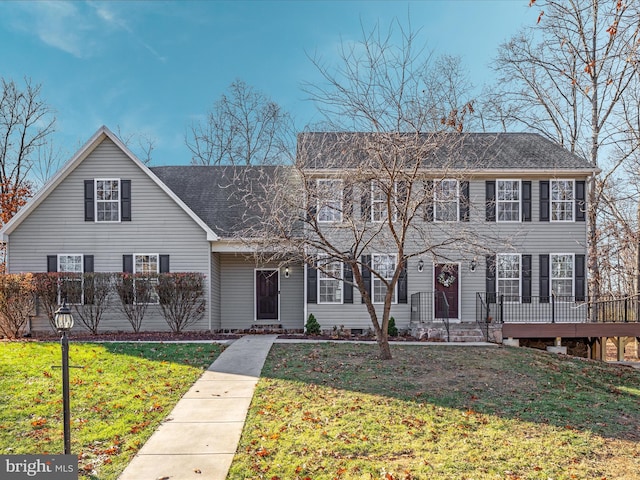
(64, 323)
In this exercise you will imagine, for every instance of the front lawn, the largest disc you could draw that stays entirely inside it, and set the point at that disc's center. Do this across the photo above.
(119, 395)
(439, 412)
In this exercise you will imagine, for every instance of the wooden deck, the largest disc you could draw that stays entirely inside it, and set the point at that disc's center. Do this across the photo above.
(570, 330)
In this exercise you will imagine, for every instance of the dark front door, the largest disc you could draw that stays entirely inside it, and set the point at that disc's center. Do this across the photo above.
(447, 282)
(266, 294)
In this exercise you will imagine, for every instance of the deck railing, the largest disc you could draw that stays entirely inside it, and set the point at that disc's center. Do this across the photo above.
(492, 307)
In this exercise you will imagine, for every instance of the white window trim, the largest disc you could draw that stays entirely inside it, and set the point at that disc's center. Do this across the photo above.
(157, 255)
(374, 186)
(552, 201)
(573, 273)
(320, 200)
(498, 201)
(340, 282)
(81, 276)
(96, 201)
(436, 185)
(498, 278)
(374, 278)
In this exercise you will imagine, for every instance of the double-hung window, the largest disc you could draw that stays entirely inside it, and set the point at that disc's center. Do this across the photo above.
(562, 266)
(385, 266)
(329, 195)
(329, 280)
(562, 200)
(381, 198)
(107, 197)
(71, 268)
(446, 201)
(508, 197)
(147, 265)
(508, 276)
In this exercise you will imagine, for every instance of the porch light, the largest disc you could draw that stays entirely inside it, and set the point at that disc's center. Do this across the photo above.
(473, 265)
(63, 318)
(420, 265)
(286, 272)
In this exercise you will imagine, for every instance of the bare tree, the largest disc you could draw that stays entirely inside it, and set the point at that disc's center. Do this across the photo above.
(357, 206)
(141, 143)
(566, 78)
(244, 127)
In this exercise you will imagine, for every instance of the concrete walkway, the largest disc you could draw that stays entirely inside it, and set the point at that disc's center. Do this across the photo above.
(199, 437)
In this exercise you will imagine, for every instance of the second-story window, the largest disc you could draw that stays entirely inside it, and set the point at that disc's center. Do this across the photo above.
(508, 200)
(107, 200)
(562, 200)
(381, 198)
(329, 197)
(446, 201)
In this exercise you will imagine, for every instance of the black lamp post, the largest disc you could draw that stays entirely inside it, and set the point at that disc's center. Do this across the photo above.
(64, 323)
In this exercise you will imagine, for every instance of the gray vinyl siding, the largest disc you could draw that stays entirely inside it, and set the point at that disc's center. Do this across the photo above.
(238, 297)
(158, 226)
(532, 238)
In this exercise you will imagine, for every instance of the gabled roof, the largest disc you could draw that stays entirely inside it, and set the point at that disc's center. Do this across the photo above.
(97, 138)
(470, 151)
(223, 196)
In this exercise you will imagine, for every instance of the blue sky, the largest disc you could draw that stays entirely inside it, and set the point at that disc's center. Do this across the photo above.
(153, 68)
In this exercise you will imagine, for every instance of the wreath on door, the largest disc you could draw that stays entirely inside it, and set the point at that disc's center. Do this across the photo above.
(446, 279)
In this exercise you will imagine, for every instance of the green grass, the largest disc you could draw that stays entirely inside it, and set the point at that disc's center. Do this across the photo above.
(328, 411)
(119, 395)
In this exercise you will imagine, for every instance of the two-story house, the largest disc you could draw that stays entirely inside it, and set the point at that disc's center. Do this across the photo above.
(507, 217)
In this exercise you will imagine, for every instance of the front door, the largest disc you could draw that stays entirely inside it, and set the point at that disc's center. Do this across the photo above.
(447, 285)
(267, 294)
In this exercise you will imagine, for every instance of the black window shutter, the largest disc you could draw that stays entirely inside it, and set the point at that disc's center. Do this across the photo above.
(526, 278)
(366, 273)
(428, 204)
(89, 208)
(544, 279)
(464, 201)
(127, 263)
(490, 189)
(347, 202)
(491, 279)
(88, 263)
(580, 280)
(544, 200)
(526, 201)
(365, 202)
(164, 264)
(125, 186)
(348, 283)
(312, 201)
(581, 201)
(52, 263)
(402, 284)
(312, 284)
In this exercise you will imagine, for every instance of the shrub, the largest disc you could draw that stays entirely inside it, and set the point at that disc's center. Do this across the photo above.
(392, 330)
(312, 326)
(181, 297)
(94, 300)
(46, 288)
(17, 303)
(136, 291)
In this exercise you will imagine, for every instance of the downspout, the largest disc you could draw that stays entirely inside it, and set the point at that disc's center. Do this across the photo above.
(304, 295)
(210, 302)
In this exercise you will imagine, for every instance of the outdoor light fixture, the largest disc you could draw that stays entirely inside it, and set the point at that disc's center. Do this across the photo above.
(420, 265)
(286, 272)
(64, 322)
(472, 265)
